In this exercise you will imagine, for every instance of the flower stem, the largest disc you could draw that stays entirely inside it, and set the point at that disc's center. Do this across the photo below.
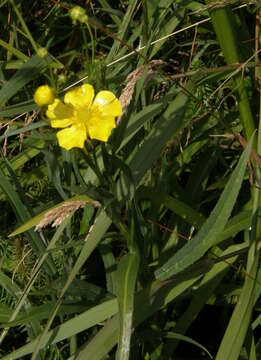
(85, 45)
(26, 30)
(93, 165)
(92, 40)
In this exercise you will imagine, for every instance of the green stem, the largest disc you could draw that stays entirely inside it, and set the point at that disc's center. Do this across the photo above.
(92, 40)
(256, 225)
(73, 344)
(256, 222)
(93, 166)
(226, 30)
(26, 30)
(85, 45)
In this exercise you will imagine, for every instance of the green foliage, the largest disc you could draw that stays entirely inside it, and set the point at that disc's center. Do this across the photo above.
(147, 246)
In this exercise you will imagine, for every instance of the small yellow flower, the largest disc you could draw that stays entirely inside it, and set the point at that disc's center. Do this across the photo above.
(44, 95)
(81, 116)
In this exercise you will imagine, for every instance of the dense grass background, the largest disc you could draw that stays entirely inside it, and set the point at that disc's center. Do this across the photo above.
(156, 250)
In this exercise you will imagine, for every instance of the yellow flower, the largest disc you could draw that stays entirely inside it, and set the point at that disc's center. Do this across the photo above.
(43, 95)
(81, 116)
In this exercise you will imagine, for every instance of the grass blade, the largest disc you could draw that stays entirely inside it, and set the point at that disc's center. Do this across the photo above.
(147, 303)
(167, 127)
(206, 288)
(71, 327)
(36, 219)
(122, 30)
(22, 77)
(214, 225)
(126, 280)
(30, 283)
(236, 331)
(23, 215)
(99, 228)
(228, 33)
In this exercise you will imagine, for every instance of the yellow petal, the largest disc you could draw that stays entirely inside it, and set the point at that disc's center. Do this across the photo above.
(107, 103)
(71, 137)
(59, 111)
(61, 123)
(100, 128)
(81, 96)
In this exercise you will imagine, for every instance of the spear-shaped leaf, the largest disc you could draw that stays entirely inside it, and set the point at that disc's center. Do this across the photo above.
(207, 235)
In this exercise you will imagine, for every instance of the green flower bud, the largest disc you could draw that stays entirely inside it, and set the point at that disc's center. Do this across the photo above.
(42, 52)
(61, 79)
(77, 13)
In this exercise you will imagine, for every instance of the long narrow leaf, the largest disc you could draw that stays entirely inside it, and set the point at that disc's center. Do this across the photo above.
(24, 75)
(226, 29)
(71, 327)
(34, 275)
(236, 331)
(207, 235)
(126, 280)
(99, 228)
(172, 121)
(23, 215)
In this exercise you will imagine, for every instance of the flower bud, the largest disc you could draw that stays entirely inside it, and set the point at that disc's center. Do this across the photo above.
(61, 79)
(42, 52)
(77, 13)
(44, 95)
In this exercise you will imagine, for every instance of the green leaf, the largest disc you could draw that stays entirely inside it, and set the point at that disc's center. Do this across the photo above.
(114, 13)
(10, 286)
(39, 313)
(165, 29)
(54, 173)
(35, 272)
(207, 235)
(172, 335)
(138, 120)
(18, 109)
(239, 222)
(126, 280)
(79, 323)
(110, 266)
(36, 219)
(24, 129)
(236, 330)
(23, 76)
(122, 30)
(102, 343)
(100, 227)
(147, 303)
(228, 34)
(23, 215)
(165, 128)
(13, 50)
(5, 313)
(183, 210)
(205, 290)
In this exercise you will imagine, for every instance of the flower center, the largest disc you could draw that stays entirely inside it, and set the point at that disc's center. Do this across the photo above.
(84, 114)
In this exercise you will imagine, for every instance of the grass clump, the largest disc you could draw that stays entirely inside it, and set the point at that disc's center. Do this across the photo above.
(135, 234)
